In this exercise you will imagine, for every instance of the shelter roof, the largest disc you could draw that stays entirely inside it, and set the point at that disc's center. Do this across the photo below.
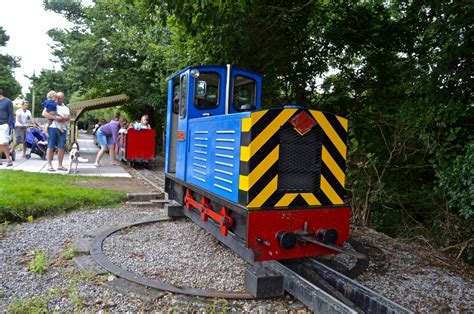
(98, 103)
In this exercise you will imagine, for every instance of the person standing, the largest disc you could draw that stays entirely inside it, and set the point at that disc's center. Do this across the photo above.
(107, 136)
(6, 119)
(57, 131)
(21, 125)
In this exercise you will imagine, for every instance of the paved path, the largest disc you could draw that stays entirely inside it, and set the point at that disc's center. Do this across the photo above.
(88, 150)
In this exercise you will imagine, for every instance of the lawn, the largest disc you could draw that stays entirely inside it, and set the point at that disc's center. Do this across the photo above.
(24, 194)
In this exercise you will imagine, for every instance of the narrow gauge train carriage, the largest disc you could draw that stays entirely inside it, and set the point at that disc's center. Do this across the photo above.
(271, 180)
(136, 147)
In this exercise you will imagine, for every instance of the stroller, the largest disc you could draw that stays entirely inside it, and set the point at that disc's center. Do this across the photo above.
(36, 143)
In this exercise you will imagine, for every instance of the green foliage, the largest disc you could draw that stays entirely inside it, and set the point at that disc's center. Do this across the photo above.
(70, 252)
(102, 115)
(468, 254)
(406, 93)
(11, 88)
(283, 49)
(400, 71)
(4, 227)
(76, 299)
(39, 263)
(46, 81)
(3, 37)
(457, 179)
(72, 9)
(37, 305)
(36, 194)
(219, 306)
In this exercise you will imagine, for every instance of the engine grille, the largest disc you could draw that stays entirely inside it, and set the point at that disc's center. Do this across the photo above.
(299, 163)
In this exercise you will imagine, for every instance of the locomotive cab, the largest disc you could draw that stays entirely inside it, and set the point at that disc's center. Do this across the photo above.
(204, 91)
(273, 178)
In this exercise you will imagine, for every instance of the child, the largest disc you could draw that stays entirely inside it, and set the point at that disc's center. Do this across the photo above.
(143, 124)
(51, 107)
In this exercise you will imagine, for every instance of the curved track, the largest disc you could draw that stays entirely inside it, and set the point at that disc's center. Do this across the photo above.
(98, 255)
(325, 286)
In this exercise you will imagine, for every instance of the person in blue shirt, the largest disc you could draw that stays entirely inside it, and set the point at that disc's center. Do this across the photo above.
(6, 119)
(50, 102)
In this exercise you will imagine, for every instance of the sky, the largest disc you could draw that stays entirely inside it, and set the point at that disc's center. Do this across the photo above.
(26, 22)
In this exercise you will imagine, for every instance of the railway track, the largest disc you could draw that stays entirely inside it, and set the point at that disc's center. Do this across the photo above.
(318, 286)
(344, 295)
(151, 177)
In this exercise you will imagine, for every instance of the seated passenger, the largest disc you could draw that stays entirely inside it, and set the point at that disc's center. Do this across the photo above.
(143, 124)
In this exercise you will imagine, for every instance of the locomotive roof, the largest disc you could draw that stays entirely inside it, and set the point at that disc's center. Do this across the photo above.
(207, 66)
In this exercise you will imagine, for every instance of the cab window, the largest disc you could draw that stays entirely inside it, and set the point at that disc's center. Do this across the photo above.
(206, 91)
(244, 93)
(183, 95)
(176, 91)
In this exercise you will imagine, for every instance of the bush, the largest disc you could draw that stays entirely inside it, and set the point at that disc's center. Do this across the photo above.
(458, 182)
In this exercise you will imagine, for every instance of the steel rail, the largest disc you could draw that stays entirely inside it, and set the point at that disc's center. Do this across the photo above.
(364, 298)
(307, 292)
(143, 177)
(306, 279)
(99, 256)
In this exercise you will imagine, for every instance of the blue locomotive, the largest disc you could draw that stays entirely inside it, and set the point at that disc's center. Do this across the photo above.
(267, 183)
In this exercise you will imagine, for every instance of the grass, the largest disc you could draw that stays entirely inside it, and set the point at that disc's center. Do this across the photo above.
(25, 194)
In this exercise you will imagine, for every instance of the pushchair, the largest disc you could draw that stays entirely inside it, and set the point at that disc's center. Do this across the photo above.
(36, 143)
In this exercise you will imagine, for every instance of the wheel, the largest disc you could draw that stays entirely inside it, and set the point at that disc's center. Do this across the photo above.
(28, 156)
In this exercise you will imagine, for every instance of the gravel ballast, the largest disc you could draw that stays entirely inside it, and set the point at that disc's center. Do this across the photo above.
(180, 253)
(68, 288)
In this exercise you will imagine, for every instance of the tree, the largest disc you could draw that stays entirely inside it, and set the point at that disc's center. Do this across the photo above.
(129, 59)
(268, 37)
(46, 81)
(11, 88)
(401, 71)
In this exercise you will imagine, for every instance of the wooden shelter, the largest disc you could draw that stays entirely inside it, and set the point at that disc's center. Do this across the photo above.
(79, 108)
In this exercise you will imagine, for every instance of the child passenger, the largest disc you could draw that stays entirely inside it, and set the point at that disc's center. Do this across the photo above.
(143, 124)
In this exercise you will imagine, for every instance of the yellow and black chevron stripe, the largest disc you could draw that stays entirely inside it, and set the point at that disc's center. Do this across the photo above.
(260, 151)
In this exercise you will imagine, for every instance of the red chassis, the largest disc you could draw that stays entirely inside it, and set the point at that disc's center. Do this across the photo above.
(263, 227)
